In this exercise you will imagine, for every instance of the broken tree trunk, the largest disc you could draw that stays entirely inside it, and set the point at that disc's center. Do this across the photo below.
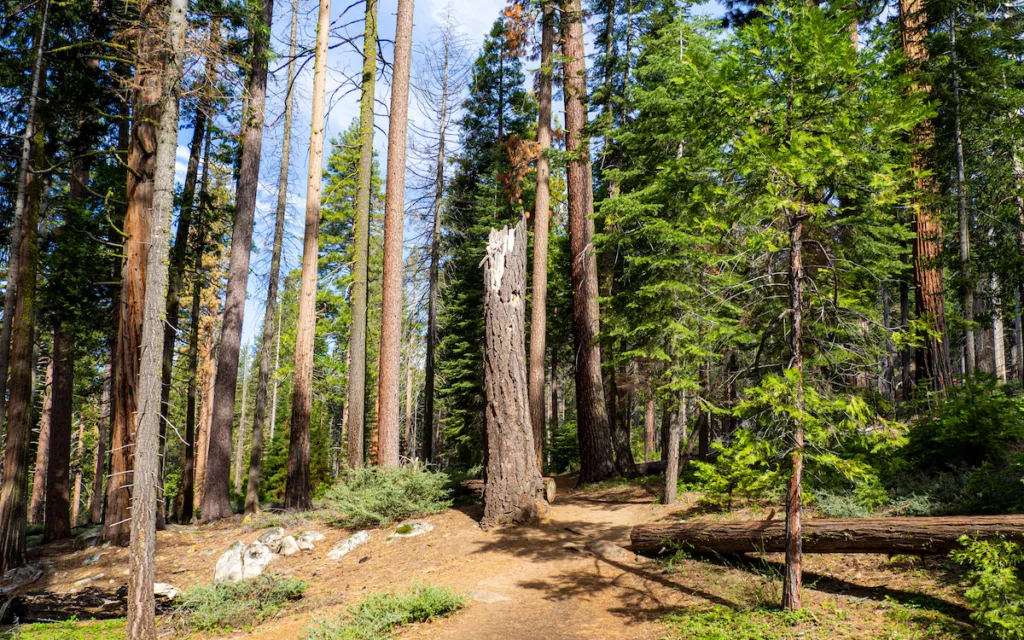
(865, 535)
(514, 492)
(91, 603)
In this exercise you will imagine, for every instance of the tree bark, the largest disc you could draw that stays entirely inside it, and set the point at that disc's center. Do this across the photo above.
(970, 357)
(649, 426)
(91, 603)
(76, 495)
(297, 489)
(141, 623)
(13, 486)
(36, 507)
(240, 439)
(394, 209)
(357, 340)
(929, 293)
(514, 491)
(671, 447)
(856, 535)
(270, 334)
(102, 427)
(793, 576)
(57, 524)
(541, 221)
(596, 460)
(410, 448)
(216, 496)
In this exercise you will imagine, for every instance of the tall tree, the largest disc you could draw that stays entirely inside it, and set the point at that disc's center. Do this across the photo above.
(388, 381)
(270, 333)
(297, 488)
(58, 488)
(357, 341)
(36, 506)
(596, 460)
(216, 497)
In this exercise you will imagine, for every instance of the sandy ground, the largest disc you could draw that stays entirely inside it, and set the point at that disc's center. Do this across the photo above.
(524, 582)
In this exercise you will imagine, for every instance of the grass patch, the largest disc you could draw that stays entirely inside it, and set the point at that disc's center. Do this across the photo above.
(369, 496)
(69, 630)
(381, 614)
(225, 606)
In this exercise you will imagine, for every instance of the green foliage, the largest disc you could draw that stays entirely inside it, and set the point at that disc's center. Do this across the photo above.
(381, 614)
(744, 468)
(69, 630)
(225, 606)
(371, 496)
(996, 573)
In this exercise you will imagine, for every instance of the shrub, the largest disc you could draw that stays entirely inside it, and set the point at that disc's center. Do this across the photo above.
(996, 573)
(69, 630)
(743, 469)
(369, 496)
(380, 614)
(226, 605)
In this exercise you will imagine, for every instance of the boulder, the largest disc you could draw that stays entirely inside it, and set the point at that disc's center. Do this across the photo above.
(164, 590)
(411, 528)
(19, 577)
(255, 559)
(348, 544)
(91, 538)
(289, 546)
(609, 551)
(272, 539)
(92, 558)
(229, 565)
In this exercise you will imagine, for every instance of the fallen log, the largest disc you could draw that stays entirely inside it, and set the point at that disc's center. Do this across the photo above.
(860, 535)
(88, 604)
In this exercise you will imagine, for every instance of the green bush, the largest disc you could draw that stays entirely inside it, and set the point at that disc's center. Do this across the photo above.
(380, 614)
(996, 574)
(370, 496)
(227, 605)
(743, 469)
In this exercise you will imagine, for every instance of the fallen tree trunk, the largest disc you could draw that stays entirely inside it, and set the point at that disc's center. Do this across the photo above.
(865, 535)
(88, 604)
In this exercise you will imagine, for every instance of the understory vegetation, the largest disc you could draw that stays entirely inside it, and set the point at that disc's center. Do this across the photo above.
(380, 615)
(375, 497)
(227, 606)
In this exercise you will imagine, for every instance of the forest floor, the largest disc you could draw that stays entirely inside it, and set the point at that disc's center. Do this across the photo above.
(539, 582)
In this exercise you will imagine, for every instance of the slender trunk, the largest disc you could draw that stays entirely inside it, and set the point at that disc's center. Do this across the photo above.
(24, 172)
(649, 427)
(394, 203)
(794, 496)
(58, 487)
(277, 366)
(270, 336)
(36, 508)
(675, 430)
(410, 451)
(216, 496)
(888, 382)
(13, 486)
(998, 339)
(596, 460)
(906, 356)
(970, 357)
(1018, 176)
(240, 440)
(357, 342)
(141, 623)
(541, 221)
(76, 498)
(297, 490)
(928, 289)
(102, 427)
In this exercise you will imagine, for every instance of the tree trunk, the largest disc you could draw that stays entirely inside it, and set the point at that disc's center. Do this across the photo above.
(297, 490)
(856, 535)
(23, 186)
(649, 427)
(675, 429)
(541, 219)
(277, 367)
(13, 485)
(906, 355)
(36, 507)
(394, 203)
(793, 576)
(76, 496)
(596, 461)
(141, 623)
(970, 357)
(216, 496)
(102, 427)
(929, 294)
(240, 440)
(357, 341)
(91, 603)
(270, 334)
(998, 339)
(58, 481)
(410, 451)
(514, 491)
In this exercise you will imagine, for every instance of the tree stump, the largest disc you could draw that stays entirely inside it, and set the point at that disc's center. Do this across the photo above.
(514, 492)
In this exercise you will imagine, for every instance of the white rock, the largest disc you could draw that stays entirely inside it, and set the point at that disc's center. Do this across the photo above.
(348, 544)
(303, 544)
(229, 565)
(91, 559)
(165, 590)
(255, 559)
(311, 536)
(479, 595)
(16, 578)
(272, 539)
(289, 546)
(91, 538)
(411, 528)
(609, 551)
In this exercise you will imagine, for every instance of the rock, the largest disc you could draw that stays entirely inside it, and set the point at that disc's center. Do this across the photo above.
(165, 590)
(480, 595)
(307, 538)
(229, 565)
(91, 559)
(348, 544)
(255, 559)
(289, 546)
(411, 528)
(303, 544)
(19, 577)
(91, 538)
(609, 551)
(79, 583)
(272, 539)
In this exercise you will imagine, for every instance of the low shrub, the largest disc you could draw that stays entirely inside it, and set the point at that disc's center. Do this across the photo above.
(995, 569)
(369, 496)
(381, 614)
(227, 605)
(68, 630)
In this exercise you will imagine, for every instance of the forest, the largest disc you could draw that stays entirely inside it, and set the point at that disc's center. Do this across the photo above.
(568, 319)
